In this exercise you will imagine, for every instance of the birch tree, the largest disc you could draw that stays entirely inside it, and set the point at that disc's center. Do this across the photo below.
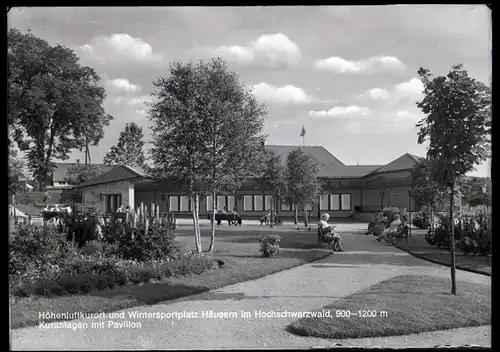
(207, 132)
(302, 184)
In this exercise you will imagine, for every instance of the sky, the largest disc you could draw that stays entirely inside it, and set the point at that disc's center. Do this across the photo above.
(348, 74)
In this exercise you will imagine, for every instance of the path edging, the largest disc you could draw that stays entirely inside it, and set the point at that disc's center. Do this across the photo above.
(459, 267)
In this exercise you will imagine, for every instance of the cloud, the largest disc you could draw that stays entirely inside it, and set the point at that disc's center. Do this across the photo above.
(141, 100)
(123, 85)
(405, 93)
(341, 111)
(288, 94)
(268, 50)
(411, 89)
(119, 47)
(371, 65)
(378, 94)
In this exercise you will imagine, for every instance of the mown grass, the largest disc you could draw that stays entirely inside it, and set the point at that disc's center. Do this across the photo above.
(414, 304)
(239, 250)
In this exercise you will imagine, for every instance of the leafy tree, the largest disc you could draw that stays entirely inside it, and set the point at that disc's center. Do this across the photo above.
(79, 174)
(54, 103)
(130, 148)
(207, 132)
(273, 177)
(458, 127)
(473, 192)
(302, 184)
(425, 192)
(17, 178)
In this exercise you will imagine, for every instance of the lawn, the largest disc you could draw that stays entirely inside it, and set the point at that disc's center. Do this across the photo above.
(238, 249)
(418, 246)
(414, 304)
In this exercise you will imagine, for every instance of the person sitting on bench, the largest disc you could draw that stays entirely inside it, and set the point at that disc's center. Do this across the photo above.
(328, 231)
(393, 227)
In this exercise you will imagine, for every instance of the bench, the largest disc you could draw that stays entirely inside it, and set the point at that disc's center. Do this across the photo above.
(219, 217)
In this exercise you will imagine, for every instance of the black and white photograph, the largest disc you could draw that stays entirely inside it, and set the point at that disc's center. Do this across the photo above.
(249, 177)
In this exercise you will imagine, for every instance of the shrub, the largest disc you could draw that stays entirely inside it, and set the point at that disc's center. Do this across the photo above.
(157, 243)
(122, 272)
(82, 227)
(32, 248)
(421, 220)
(269, 245)
(94, 247)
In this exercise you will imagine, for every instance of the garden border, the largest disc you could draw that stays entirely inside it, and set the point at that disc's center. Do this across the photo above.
(459, 267)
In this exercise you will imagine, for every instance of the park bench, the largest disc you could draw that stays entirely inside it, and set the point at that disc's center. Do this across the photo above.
(325, 236)
(219, 217)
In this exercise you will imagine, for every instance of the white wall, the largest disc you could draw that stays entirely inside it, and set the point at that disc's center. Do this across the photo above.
(92, 194)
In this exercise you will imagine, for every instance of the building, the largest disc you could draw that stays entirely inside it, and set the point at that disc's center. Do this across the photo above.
(57, 179)
(348, 189)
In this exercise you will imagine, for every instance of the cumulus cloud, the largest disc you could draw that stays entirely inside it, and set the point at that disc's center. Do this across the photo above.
(378, 94)
(288, 94)
(411, 89)
(123, 85)
(269, 49)
(342, 111)
(119, 47)
(371, 65)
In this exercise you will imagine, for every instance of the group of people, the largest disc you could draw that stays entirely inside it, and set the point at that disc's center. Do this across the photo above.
(393, 228)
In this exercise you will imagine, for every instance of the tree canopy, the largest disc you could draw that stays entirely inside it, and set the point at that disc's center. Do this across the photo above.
(130, 148)
(79, 174)
(457, 123)
(302, 184)
(17, 177)
(207, 130)
(54, 103)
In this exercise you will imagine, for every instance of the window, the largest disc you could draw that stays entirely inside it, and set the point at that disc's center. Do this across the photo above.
(335, 202)
(268, 199)
(185, 203)
(230, 202)
(247, 203)
(258, 202)
(345, 202)
(173, 202)
(112, 202)
(221, 202)
(208, 203)
(323, 202)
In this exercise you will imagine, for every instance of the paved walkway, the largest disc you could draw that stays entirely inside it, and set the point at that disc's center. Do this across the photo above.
(304, 288)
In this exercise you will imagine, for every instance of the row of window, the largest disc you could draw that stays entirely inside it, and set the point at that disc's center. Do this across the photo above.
(260, 202)
(335, 202)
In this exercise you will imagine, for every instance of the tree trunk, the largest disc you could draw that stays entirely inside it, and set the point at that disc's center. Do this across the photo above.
(452, 241)
(296, 215)
(212, 229)
(306, 217)
(196, 223)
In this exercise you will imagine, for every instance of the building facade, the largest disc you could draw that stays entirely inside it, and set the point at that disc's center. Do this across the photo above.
(347, 189)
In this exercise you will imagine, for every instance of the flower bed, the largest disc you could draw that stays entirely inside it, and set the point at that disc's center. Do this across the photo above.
(472, 234)
(43, 261)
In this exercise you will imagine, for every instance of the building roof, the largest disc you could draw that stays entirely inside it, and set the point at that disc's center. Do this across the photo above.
(404, 162)
(328, 166)
(326, 162)
(117, 173)
(60, 171)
